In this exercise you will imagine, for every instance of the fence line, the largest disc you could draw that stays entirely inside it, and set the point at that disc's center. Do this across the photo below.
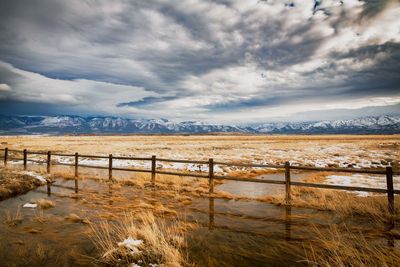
(390, 191)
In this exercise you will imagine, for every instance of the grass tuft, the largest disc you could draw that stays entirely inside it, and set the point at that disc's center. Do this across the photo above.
(162, 243)
(45, 203)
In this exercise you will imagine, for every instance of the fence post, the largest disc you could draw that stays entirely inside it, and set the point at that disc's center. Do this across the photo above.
(110, 166)
(153, 169)
(48, 161)
(5, 156)
(211, 175)
(390, 190)
(76, 164)
(76, 172)
(287, 182)
(25, 159)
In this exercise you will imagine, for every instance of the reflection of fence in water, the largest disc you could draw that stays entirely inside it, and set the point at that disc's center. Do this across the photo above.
(211, 211)
(286, 222)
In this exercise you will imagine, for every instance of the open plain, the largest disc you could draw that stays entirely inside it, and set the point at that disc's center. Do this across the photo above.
(176, 222)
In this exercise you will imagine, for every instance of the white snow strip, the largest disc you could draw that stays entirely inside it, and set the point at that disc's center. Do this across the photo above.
(30, 205)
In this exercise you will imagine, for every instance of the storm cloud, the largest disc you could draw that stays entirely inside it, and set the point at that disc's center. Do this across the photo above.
(222, 61)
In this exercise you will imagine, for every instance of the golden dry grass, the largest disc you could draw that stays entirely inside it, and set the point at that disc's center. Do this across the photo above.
(343, 203)
(224, 147)
(13, 219)
(339, 248)
(44, 203)
(14, 183)
(161, 243)
(345, 247)
(72, 217)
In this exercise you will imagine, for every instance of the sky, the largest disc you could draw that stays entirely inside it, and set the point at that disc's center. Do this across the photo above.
(217, 61)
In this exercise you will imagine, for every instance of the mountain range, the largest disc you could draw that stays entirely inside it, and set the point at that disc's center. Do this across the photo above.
(66, 124)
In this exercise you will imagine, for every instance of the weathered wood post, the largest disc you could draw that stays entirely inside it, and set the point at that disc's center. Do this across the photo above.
(25, 159)
(153, 169)
(48, 171)
(5, 156)
(76, 172)
(110, 166)
(287, 182)
(211, 175)
(48, 161)
(76, 164)
(390, 189)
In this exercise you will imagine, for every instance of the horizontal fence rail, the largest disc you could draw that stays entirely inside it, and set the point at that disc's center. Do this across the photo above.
(287, 167)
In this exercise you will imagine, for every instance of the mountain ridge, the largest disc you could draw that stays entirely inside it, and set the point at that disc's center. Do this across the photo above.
(73, 124)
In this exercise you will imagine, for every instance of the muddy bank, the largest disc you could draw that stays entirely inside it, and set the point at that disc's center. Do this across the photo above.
(17, 183)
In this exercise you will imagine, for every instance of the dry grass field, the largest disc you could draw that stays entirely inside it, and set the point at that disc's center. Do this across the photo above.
(151, 231)
(324, 150)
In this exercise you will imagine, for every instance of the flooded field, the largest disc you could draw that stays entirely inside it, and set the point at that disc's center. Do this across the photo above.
(223, 233)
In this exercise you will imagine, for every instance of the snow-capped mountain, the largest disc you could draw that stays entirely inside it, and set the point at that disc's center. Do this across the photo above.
(100, 125)
(365, 125)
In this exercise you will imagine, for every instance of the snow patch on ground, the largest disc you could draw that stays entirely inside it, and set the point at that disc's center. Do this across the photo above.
(337, 155)
(30, 205)
(131, 244)
(360, 180)
(143, 164)
(35, 175)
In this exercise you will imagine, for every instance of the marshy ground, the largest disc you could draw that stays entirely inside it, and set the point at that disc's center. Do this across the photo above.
(81, 223)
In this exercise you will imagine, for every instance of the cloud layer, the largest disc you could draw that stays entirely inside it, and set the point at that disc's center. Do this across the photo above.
(225, 61)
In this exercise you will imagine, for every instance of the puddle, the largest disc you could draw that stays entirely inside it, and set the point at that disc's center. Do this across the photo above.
(254, 190)
(230, 233)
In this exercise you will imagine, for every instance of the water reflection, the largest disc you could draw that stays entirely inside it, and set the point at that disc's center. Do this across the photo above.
(211, 213)
(254, 190)
(288, 214)
(53, 184)
(211, 218)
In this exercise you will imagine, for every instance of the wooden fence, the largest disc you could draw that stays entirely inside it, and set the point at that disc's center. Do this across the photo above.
(388, 171)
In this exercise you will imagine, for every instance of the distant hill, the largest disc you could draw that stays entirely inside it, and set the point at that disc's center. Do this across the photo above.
(108, 125)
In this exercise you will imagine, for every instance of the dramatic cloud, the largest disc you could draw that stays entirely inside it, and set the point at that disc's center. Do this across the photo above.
(225, 61)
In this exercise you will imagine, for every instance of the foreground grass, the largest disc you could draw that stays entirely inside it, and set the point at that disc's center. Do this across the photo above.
(163, 243)
(345, 247)
(140, 239)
